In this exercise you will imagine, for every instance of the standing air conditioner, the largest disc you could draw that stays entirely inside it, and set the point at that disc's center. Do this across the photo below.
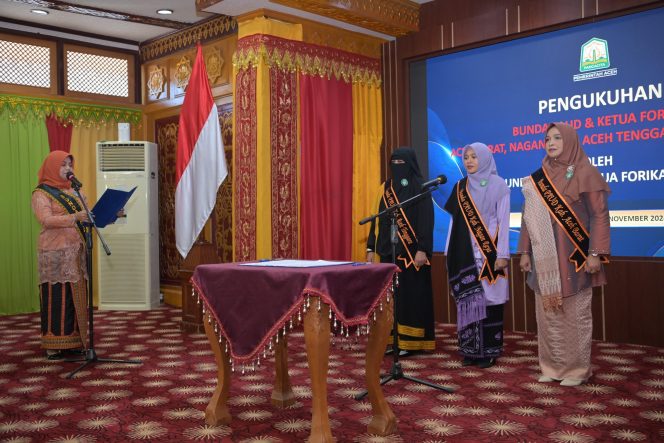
(129, 277)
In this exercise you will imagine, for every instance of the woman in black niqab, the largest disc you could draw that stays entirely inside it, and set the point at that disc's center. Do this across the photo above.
(414, 296)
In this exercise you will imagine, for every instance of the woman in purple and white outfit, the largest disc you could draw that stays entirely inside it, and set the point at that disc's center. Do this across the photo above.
(477, 258)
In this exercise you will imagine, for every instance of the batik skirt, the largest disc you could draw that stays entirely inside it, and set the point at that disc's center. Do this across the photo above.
(64, 315)
(484, 338)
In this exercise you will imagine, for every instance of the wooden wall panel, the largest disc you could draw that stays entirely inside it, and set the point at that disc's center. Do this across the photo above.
(391, 112)
(440, 286)
(491, 24)
(170, 261)
(629, 309)
(518, 299)
(539, 14)
(428, 41)
(608, 6)
(222, 228)
(634, 301)
(440, 12)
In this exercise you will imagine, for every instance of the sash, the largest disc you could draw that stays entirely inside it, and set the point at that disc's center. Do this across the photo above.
(480, 232)
(405, 231)
(66, 201)
(563, 214)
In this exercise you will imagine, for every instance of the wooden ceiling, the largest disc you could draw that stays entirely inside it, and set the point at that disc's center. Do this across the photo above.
(130, 23)
(388, 17)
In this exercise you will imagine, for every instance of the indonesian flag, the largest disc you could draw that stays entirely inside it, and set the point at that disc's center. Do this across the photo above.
(200, 167)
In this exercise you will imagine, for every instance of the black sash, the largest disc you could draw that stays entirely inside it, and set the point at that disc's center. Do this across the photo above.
(480, 232)
(66, 201)
(405, 231)
(565, 217)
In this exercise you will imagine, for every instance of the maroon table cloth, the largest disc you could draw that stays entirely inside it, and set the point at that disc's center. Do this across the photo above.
(250, 304)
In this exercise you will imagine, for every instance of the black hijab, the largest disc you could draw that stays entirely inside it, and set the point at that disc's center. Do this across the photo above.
(406, 180)
(406, 177)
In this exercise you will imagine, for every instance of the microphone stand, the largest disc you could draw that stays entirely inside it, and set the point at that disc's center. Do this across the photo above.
(396, 371)
(90, 354)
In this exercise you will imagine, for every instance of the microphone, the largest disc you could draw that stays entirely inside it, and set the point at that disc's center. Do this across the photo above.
(74, 181)
(440, 180)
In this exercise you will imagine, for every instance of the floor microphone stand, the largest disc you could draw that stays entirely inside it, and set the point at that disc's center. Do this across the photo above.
(396, 371)
(90, 354)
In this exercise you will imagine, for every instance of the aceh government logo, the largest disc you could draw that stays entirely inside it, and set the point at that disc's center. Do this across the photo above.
(594, 55)
(594, 62)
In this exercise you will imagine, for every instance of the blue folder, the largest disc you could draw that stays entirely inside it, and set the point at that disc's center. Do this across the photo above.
(109, 204)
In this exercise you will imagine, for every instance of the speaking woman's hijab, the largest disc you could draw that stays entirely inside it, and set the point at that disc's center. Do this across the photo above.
(49, 173)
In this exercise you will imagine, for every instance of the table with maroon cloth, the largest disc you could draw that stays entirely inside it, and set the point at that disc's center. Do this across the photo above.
(249, 309)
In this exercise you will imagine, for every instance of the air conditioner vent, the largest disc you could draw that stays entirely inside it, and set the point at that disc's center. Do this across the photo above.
(124, 275)
(121, 157)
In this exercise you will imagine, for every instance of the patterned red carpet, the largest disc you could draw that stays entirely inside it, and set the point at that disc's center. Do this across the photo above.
(163, 399)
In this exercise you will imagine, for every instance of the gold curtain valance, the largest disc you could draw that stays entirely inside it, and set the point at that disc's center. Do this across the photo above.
(306, 58)
(74, 113)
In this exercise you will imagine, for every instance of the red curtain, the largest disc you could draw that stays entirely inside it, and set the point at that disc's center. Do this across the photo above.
(326, 117)
(59, 135)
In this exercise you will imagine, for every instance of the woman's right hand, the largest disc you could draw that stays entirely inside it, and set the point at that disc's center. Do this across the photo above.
(81, 216)
(370, 257)
(525, 263)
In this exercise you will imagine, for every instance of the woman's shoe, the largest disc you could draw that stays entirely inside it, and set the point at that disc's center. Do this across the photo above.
(571, 382)
(53, 354)
(545, 379)
(467, 361)
(57, 355)
(486, 362)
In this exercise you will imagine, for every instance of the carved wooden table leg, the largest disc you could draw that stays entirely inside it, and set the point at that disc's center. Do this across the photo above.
(217, 412)
(282, 395)
(317, 340)
(383, 421)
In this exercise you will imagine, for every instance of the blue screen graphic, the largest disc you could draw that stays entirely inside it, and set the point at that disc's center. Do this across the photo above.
(606, 79)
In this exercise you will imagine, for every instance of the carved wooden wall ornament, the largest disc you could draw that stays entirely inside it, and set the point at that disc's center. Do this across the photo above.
(213, 62)
(209, 30)
(183, 72)
(156, 81)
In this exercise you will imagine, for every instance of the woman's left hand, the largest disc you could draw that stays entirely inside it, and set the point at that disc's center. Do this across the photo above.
(420, 258)
(592, 264)
(501, 263)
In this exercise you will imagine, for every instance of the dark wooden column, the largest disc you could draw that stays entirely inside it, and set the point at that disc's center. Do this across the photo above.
(202, 252)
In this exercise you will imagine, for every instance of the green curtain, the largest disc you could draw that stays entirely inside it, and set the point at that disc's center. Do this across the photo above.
(24, 145)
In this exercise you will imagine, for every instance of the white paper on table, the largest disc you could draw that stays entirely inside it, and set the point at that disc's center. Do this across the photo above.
(296, 263)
